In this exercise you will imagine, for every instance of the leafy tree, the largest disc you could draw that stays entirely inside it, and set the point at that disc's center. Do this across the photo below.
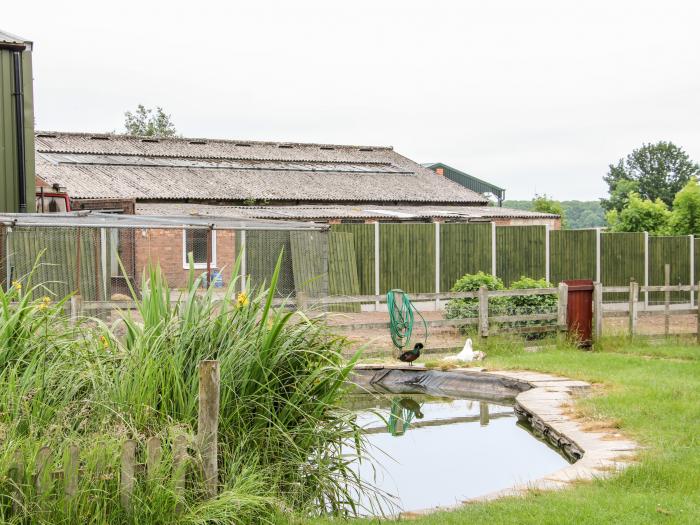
(654, 171)
(685, 217)
(544, 204)
(640, 215)
(578, 214)
(149, 123)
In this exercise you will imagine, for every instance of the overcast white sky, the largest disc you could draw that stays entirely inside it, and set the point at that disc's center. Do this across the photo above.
(536, 96)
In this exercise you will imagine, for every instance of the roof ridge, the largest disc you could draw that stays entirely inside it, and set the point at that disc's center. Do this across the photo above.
(122, 136)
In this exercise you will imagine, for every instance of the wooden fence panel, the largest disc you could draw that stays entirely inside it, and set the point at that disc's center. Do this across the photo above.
(407, 257)
(622, 258)
(676, 252)
(263, 248)
(572, 255)
(342, 269)
(310, 259)
(363, 240)
(520, 251)
(464, 248)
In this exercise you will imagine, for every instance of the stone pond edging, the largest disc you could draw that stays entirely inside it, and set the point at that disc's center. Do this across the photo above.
(541, 399)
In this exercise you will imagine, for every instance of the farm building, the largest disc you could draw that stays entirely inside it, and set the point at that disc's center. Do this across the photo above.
(468, 181)
(17, 125)
(319, 183)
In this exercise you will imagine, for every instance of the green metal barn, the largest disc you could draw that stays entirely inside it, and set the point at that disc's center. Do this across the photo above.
(17, 182)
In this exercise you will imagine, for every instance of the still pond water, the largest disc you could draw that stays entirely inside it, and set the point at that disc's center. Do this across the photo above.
(430, 451)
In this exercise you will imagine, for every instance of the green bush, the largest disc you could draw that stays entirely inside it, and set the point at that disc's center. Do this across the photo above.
(530, 304)
(471, 282)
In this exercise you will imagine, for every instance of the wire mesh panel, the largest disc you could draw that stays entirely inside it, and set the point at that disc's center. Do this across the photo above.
(263, 249)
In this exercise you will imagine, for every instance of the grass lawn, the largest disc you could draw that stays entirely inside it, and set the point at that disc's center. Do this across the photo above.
(651, 391)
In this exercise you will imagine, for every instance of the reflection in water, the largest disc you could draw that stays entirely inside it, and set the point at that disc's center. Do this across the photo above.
(455, 449)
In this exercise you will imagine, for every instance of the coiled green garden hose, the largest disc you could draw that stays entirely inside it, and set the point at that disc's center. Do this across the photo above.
(401, 318)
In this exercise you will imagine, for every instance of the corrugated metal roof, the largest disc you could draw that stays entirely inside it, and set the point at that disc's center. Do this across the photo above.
(118, 166)
(342, 212)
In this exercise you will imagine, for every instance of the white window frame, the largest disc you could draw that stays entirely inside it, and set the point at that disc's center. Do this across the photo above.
(198, 266)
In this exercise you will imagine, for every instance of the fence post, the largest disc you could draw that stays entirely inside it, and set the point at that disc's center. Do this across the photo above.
(17, 474)
(154, 453)
(76, 307)
(634, 297)
(547, 231)
(698, 307)
(646, 269)
(437, 265)
(483, 413)
(179, 467)
(667, 298)
(376, 264)
(71, 465)
(244, 262)
(483, 311)
(493, 249)
(597, 255)
(8, 258)
(692, 268)
(562, 306)
(598, 310)
(208, 424)
(128, 473)
(43, 480)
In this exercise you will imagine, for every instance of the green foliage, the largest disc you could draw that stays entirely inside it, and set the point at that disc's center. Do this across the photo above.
(654, 171)
(640, 215)
(685, 217)
(146, 122)
(280, 432)
(578, 214)
(531, 303)
(465, 308)
(544, 204)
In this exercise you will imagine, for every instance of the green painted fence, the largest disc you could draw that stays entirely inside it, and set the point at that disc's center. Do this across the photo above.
(464, 248)
(520, 251)
(621, 259)
(310, 254)
(407, 257)
(674, 251)
(572, 255)
(363, 241)
(342, 270)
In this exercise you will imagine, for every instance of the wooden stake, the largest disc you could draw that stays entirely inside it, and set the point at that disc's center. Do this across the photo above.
(128, 470)
(17, 475)
(208, 423)
(562, 306)
(667, 299)
(154, 453)
(43, 481)
(598, 310)
(71, 465)
(483, 311)
(179, 468)
(483, 413)
(633, 298)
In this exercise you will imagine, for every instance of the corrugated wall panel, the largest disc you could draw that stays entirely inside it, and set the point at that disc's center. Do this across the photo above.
(407, 257)
(464, 248)
(676, 252)
(520, 251)
(572, 255)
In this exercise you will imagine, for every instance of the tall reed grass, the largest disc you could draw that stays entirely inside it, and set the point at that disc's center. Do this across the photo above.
(281, 427)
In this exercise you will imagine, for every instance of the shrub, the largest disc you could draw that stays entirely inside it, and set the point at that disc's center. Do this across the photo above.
(530, 304)
(464, 308)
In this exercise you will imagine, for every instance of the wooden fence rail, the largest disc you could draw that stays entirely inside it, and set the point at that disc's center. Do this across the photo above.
(44, 479)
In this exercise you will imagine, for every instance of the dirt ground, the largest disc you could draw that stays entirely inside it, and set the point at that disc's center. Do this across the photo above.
(377, 341)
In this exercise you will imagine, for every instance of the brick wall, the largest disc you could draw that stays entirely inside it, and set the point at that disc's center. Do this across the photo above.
(165, 247)
(554, 224)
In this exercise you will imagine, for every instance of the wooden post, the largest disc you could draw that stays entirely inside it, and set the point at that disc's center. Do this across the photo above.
(17, 476)
(71, 465)
(667, 298)
(128, 470)
(493, 249)
(76, 307)
(697, 303)
(483, 311)
(437, 266)
(598, 310)
(376, 265)
(42, 482)
(154, 453)
(244, 261)
(179, 468)
(208, 423)
(483, 413)
(209, 255)
(562, 306)
(633, 299)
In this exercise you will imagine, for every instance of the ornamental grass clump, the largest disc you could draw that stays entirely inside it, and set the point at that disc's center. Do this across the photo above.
(281, 428)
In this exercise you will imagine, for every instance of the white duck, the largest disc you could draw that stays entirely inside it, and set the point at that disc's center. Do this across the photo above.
(467, 354)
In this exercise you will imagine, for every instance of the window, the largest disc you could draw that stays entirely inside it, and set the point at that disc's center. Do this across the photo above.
(195, 241)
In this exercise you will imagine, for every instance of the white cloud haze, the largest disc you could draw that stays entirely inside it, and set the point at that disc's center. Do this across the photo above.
(533, 96)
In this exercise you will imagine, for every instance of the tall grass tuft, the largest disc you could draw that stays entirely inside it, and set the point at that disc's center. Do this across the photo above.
(281, 428)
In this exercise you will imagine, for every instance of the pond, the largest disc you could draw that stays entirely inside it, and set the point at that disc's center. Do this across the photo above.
(436, 451)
